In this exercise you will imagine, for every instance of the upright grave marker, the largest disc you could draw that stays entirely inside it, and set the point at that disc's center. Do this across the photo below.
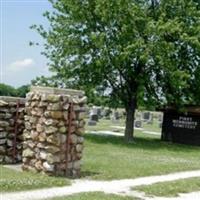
(94, 114)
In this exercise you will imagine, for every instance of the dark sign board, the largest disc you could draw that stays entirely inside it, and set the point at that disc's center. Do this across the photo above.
(181, 128)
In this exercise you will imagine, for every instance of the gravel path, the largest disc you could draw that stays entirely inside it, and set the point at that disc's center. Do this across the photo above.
(120, 187)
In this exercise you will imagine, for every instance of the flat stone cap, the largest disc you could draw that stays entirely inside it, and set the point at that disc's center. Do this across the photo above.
(9, 99)
(51, 90)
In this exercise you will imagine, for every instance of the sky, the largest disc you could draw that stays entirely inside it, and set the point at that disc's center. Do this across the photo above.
(19, 62)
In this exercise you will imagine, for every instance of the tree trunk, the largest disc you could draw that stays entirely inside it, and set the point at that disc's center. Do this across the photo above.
(130, 113)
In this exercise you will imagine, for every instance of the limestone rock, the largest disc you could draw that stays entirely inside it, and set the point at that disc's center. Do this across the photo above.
(54, 107)
(66, 106)
(48, 167)
(2, 149)
(2, 141)
(42, 137)
(28, 153)
(4, 124)
(53, 139)
(49, 122)
(80, 140)
(52, 149)
(3, 134)
(56, 114)
(77, 164)
(43, 155)
(31, 144)
(73, 139)
(26, 135)
(3, 103)
(79, 147)
(39, 128)
(53, 98)
(33, 120)
(52, 158)
(38, 165)
(35, 97)
(63, 129)
(50, 129)
(41, 145)
(34, 135)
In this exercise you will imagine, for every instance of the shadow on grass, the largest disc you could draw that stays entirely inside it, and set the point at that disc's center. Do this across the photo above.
(144, 142)
(86, 174)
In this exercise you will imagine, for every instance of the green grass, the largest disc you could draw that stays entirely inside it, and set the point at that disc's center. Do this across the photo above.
(94, 196)
(152, 127)
(104, 125)
(108, 126)
(172, 188)
(108, 157)
(11, 180)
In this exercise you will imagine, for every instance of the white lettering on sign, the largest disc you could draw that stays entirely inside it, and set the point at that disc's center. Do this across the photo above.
(185, 122)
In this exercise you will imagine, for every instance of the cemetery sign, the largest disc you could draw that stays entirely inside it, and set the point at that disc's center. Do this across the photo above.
(182, 127)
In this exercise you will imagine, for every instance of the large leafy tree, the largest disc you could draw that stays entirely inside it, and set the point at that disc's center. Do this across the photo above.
(138, 51)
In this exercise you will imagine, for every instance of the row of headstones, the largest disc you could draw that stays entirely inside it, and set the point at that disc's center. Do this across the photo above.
(96, 113)
(148, 118)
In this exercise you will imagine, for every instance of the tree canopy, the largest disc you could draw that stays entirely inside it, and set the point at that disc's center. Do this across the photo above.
(7, 90)
(139, 52)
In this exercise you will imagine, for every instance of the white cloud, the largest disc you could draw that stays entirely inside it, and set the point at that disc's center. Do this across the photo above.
(20, 65)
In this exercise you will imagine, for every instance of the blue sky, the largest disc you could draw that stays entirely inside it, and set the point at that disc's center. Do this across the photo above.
(21, 63)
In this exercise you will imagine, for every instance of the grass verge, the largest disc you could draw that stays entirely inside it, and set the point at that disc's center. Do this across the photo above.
(94, 196)
(108, 157)
(11, 180)
(172, 188)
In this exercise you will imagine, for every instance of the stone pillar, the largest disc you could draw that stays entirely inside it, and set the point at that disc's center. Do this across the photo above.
(53, 135)
(11, 129)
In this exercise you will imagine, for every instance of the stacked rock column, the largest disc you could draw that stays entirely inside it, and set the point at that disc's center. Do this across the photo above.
(53, 141)
(11, 129)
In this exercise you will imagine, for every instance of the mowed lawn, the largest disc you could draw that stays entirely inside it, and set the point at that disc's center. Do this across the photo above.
(94, 196)
(171, 188)
(11, 180)
(108, 157)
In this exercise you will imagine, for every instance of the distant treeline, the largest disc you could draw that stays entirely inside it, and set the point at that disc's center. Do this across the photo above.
(7, 90)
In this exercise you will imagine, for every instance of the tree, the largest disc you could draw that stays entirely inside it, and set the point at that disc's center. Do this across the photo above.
(7, 90)
(23, 90)
(138, 51)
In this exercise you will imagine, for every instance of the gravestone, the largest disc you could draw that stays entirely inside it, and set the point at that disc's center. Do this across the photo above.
(138, 123)
(182, 127)
(99, 112)
(160, 124)
(145, 116)
(138, 115)
(115, 117)
(106, 113)
(94, 114)
(92, 123)
(160, 117)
